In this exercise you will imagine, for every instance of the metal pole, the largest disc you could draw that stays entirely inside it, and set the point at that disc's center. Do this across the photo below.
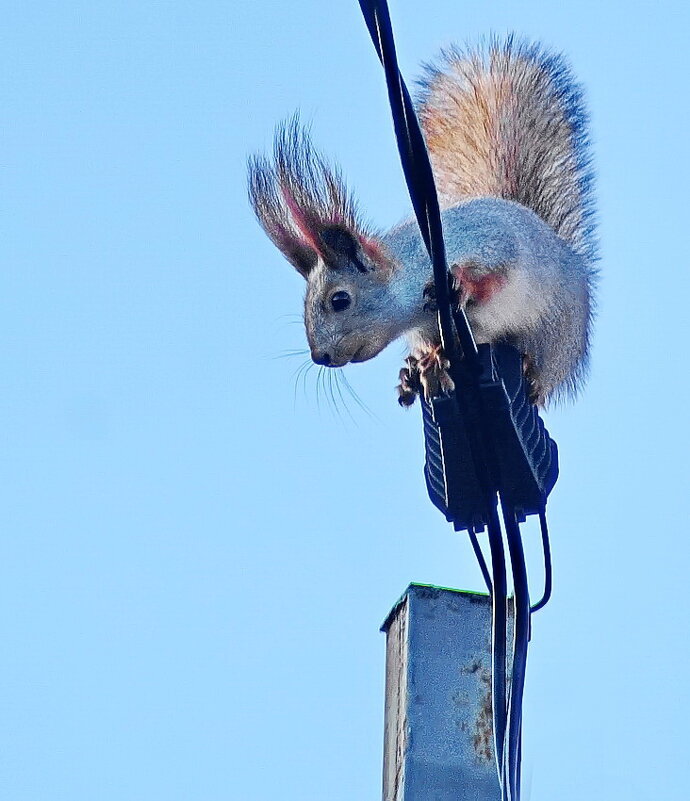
(438, 741)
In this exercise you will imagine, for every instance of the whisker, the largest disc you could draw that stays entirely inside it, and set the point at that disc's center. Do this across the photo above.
(286, 320)
(304, 378)
(359, 401)
(320, 377)
(299, 372)
(328, 377)
(329, 386)
(338, 385)
(287, 354)
(333, 378)
(318, 385)
(301, 367)
(324, 389)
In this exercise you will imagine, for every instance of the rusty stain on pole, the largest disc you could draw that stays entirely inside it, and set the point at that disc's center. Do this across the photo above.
(438, 742)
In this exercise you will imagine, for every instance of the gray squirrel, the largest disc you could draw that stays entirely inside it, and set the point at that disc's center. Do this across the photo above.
(507, 135)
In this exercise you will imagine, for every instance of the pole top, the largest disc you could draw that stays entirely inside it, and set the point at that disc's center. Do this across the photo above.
(419, 590)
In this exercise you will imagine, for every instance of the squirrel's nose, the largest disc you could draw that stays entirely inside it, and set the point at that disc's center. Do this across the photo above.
(322, 358)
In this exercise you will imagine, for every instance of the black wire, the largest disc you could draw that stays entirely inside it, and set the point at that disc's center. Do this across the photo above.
(476, 547)
(419, 178)
(518, 767)
(548, 568)
(499, 633)
(521, 631)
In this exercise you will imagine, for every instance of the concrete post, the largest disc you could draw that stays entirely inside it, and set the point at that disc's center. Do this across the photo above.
(438, 741)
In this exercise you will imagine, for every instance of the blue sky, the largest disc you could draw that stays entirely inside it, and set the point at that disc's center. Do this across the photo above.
(196, 555)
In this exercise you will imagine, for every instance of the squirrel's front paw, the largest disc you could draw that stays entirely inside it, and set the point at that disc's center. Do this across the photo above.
(433, 374)
(410, 385)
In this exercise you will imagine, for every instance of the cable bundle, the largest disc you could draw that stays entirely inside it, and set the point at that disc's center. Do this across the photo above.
(485, 442)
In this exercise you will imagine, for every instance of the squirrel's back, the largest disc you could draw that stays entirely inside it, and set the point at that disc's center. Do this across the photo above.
(506, 120)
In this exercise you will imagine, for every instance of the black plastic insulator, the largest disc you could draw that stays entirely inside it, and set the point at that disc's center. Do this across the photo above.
(522, 464)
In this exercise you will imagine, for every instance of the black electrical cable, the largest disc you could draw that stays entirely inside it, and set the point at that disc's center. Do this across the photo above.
(548, 569)
(477, 548)
(521, 631)
(420, 180)
(519, 759)
(499, 634)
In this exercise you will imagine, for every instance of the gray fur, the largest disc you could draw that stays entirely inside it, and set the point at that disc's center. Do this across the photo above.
(544, 308)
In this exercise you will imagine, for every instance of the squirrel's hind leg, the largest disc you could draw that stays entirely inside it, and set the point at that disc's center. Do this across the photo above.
(534, 389)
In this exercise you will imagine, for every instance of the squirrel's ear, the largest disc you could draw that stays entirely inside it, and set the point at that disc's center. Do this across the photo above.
(343, 249)
(339, 240)
(302, 257)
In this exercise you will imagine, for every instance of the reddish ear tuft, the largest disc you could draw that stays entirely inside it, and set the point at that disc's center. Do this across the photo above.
(297, 194)
(300, 219)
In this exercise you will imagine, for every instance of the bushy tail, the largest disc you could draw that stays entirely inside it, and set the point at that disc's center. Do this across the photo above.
(507, 120)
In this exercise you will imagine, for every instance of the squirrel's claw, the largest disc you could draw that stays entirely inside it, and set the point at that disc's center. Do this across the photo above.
(427, 374)
(433, 374)
(410, 385)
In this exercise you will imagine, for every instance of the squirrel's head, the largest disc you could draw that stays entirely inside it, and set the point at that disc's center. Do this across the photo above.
(305, 208)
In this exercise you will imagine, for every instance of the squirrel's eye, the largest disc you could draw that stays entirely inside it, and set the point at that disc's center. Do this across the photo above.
(340, 301)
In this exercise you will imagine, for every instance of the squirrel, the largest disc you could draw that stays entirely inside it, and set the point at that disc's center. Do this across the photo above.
(506, 131)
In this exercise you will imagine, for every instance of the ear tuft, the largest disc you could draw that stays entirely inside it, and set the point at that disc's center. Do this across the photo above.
(303, 204)
(269, 206)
